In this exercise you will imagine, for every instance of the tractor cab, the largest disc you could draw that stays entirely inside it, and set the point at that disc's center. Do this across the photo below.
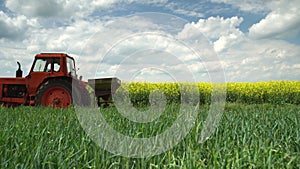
(53, 64)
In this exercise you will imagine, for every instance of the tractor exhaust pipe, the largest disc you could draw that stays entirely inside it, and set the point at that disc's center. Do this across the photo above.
(19, 72)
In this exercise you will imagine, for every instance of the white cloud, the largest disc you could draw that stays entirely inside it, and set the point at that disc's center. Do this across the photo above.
(10, 54)
(225, 42)
(215, 27)
(183, 9)
(284, 20)
(16, 27)
(224, 32)
(248, 5)
(261, 60)
(103, 3)
(57, 9)
(107, 4)
(66, 9)
(246, 59)
(79, 40)
(188, 13)
(69, 38)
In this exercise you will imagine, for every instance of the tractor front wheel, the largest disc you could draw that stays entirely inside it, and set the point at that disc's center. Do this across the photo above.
(55, 93)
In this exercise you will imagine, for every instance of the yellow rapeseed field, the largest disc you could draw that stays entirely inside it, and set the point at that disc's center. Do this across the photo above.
(277, 92)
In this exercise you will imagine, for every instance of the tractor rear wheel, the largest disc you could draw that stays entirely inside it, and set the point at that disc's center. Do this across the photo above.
(55, 93)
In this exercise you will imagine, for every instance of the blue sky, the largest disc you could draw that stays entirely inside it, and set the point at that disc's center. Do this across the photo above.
(253, 40)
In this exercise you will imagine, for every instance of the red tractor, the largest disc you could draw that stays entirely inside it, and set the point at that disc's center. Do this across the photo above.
(52, 81)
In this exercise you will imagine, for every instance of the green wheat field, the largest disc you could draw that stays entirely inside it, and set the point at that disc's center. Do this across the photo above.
(260, 128)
